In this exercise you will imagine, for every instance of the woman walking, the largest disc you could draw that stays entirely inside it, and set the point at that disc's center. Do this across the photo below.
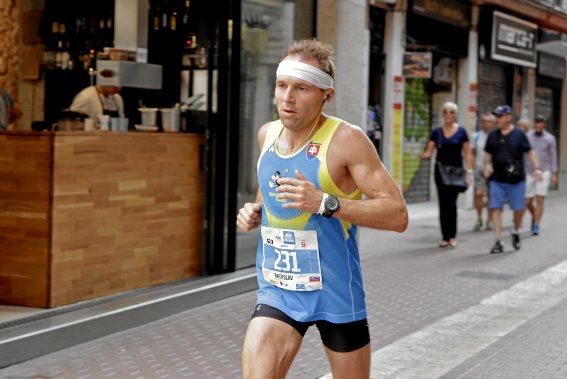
(453, 147)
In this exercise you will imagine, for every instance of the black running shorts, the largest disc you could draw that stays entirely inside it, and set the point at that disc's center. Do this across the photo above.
(342, 338)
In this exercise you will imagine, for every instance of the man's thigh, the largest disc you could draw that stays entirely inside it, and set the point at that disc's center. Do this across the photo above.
(530, 186)
(270, 346)
(352, 365)
(498, 194)
(542, 186)
(516, 196)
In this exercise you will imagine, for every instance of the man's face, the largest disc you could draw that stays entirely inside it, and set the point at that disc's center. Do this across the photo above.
(539, 126)
(487, 123)
(503, 120)
(109, 90)
(298, 102)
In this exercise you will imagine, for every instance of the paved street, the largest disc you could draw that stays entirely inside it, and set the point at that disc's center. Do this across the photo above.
(459, 313)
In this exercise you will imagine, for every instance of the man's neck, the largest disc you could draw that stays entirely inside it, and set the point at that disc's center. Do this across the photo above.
(507, 129)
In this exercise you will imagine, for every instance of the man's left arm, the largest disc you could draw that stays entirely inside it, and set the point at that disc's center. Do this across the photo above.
(385, 207)
(554, 178)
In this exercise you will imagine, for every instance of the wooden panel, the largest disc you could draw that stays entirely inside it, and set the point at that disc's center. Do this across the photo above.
(25, 172)
(127, 212)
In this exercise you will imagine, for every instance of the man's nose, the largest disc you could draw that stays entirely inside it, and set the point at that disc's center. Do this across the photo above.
(288, 95)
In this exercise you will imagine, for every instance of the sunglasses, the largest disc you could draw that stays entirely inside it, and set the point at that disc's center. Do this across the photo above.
(448, 112)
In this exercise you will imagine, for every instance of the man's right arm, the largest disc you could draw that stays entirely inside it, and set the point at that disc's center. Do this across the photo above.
(249, 216)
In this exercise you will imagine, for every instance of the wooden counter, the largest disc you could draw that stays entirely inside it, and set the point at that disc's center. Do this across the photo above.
(84, 215)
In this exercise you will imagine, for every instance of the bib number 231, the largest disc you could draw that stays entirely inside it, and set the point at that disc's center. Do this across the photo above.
(291, 259)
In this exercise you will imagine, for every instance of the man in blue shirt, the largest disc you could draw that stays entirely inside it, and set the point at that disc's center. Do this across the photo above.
(504, 165)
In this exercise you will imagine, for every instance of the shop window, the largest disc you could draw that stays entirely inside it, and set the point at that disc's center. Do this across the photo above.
(268, 27)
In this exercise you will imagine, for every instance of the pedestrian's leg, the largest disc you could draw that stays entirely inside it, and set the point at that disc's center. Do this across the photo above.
(497, 222)
(442, 198)
(354, 364)
(539, 209)
(452, 215)
(518, 219)
(478, 204)
(530, 205)
(269, 348)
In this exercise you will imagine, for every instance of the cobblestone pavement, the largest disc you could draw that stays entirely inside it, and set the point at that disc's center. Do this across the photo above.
(410, 283)
(537, 349)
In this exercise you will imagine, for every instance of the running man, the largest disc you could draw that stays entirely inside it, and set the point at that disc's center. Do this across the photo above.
(545, 147)
(307, 261)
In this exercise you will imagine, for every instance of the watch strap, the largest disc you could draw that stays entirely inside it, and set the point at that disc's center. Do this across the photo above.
(322, 206)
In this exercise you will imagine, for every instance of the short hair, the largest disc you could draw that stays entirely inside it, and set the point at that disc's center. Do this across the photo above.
(450, 106)
(312, 48)
(540, 118)
(489, 116)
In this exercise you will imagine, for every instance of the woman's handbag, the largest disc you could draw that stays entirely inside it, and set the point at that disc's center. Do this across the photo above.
(452, 176)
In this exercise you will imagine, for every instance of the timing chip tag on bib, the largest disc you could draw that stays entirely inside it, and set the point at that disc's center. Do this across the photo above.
(291, 259)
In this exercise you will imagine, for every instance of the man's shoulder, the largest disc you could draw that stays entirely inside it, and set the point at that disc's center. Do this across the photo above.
(549, 135)
(347, 131)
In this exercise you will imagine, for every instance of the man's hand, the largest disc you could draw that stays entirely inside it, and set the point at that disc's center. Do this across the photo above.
(488, 170)
(537, 174)
(299, 193)
(469, 178)
(249, 216)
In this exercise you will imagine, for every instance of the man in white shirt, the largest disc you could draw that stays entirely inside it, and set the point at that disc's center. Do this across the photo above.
(545, 147)
(99, 100)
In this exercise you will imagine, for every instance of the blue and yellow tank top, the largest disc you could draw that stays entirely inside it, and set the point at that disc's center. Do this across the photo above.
(341, 298)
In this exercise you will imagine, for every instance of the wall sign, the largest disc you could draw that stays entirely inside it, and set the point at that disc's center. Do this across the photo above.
(417, 65)
(513, 40)
(551, 65)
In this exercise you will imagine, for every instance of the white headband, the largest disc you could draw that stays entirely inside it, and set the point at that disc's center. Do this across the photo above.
(303, 71)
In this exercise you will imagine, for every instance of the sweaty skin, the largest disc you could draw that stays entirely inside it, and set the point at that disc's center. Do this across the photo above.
(270, 345)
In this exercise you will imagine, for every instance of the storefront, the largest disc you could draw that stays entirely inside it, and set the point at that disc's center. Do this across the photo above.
(218, 62)
(431, 65)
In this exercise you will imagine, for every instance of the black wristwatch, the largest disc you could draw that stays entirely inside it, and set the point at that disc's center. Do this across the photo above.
(331, 206)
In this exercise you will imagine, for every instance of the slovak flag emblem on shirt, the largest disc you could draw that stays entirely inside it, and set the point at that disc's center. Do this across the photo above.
(312, 150)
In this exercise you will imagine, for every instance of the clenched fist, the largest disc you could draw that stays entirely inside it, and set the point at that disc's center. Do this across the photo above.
(249, 216)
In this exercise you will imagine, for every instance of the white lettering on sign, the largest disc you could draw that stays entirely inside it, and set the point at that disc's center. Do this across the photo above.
(515, 36)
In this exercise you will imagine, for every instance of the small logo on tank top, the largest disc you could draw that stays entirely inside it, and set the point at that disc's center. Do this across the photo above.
(312, 150)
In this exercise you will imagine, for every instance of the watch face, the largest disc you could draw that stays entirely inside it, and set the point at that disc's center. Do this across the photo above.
(332, 203)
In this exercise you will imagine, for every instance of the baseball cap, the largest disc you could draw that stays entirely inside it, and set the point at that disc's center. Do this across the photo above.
(502, 110)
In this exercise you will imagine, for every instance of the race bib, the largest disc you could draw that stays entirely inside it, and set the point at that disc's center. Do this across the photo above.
(291, 259)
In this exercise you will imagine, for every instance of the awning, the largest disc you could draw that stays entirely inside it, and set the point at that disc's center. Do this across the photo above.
(557, 48)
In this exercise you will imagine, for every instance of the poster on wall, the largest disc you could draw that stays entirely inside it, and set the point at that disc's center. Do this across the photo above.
(417, 125)
(513, 40)
(417, 65)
